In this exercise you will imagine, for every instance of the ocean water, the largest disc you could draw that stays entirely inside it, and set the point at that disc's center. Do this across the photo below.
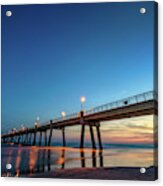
(27, 160)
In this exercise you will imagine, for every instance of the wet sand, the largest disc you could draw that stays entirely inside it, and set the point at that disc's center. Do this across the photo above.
(116, 173)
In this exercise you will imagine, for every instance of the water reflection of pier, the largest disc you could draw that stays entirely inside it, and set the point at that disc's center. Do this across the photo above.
(96, 157)
(35, 160)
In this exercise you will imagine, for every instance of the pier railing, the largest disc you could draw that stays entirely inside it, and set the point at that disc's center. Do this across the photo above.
(124, 102)
(146, 96)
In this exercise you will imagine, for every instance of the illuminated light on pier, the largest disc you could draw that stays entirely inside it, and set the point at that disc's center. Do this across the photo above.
(63, 114)
(82, 100)
(36, 124)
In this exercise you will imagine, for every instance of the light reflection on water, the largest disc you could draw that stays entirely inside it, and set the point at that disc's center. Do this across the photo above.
(29, 160)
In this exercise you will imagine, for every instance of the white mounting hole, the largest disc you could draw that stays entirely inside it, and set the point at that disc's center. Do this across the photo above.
(8, 166)
(142, 10)
(142, 170)
(8, 13)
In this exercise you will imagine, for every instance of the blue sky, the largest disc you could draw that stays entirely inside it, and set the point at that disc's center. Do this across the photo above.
(54, 54)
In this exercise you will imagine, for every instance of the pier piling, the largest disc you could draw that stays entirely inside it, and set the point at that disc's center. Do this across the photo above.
(40, 140)
(99, 135)
(82, 136)
(29, 139)
(63, 137)
(35, 133)
(45, 138)
(51, 131)
(82, 129)
(22, 138)
(92, 137)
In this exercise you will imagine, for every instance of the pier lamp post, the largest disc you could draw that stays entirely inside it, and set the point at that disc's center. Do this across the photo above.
(36, 124)
(37, 121)
(63, 114)
(82, 101)
(35, 131)
(22, 128)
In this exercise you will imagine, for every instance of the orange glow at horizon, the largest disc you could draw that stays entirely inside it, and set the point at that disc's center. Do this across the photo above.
(139, 130)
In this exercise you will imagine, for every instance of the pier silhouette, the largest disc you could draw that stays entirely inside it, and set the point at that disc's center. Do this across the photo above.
(138, 105)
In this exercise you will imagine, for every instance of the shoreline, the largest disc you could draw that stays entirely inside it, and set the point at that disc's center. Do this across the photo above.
(107, 173)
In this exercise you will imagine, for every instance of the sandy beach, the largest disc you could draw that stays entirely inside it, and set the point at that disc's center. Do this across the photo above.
(116, 173)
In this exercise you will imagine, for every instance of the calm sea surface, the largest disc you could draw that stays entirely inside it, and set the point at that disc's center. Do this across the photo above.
(30, 159)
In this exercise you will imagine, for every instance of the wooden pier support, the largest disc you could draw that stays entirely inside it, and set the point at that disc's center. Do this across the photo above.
(82, 129)
(63, 137)
(26, 137)
(82, 136)
(99, 135)
(22, 138)
(18, 141)
(40, 140)
(92, 137)
(15, 139)
(51, 132)
(45, 138)
(29, 139)
(11, 139)
(32, 137)
(35, 133)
